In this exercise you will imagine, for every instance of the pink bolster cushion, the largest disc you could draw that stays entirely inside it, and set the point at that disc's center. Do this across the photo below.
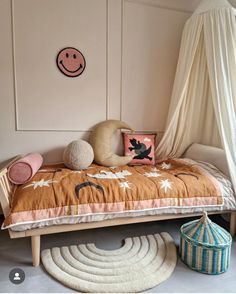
(25, 168)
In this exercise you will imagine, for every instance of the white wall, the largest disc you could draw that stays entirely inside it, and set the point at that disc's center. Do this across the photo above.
(131, 49)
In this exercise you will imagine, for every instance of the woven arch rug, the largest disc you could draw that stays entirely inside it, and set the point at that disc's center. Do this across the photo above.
(142, 263)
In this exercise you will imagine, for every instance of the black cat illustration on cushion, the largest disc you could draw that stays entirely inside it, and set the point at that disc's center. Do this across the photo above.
(140, 149)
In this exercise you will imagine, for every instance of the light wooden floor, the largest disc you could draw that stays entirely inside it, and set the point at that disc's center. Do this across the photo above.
(16, 253)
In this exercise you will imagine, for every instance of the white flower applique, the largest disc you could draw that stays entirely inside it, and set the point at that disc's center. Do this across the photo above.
(166, 184)
(166, 165)
(125, 185)
(41, 183)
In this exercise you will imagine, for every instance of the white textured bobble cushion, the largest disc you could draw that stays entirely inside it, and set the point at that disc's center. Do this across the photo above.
(78, 155)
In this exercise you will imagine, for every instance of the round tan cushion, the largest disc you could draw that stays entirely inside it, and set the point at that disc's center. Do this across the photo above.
(78, 155)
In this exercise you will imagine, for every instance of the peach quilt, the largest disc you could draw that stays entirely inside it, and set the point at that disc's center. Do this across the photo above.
(56, 191)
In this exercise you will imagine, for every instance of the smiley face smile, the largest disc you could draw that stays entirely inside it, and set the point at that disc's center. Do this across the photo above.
(72, 71)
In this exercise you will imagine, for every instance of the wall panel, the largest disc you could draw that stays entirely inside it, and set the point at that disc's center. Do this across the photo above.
(151, 40)
(40, 30)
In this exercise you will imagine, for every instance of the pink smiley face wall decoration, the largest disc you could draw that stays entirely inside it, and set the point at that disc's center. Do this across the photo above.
(71, 62)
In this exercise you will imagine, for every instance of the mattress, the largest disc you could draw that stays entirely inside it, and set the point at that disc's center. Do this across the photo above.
(57, 195)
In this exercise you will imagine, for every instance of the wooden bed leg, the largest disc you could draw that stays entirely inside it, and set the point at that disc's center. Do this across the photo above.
(233, 223)
(35, 245)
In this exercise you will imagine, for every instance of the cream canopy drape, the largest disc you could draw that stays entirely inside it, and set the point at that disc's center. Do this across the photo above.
(203, 103)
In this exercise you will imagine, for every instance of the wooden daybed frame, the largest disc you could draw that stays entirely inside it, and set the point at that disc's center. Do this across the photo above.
(7, 188)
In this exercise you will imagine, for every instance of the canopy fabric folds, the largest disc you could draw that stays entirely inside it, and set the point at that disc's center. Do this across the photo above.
(203, 103)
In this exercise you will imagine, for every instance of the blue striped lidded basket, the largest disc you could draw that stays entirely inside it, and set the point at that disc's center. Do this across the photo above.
(205, 246)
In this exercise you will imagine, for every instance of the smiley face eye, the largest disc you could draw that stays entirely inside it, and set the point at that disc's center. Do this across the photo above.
(74, 56)
(67, 55)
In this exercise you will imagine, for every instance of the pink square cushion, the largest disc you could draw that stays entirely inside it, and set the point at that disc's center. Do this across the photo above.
(141, 146)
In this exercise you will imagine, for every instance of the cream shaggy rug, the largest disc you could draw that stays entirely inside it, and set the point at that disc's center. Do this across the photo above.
(142, 263)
